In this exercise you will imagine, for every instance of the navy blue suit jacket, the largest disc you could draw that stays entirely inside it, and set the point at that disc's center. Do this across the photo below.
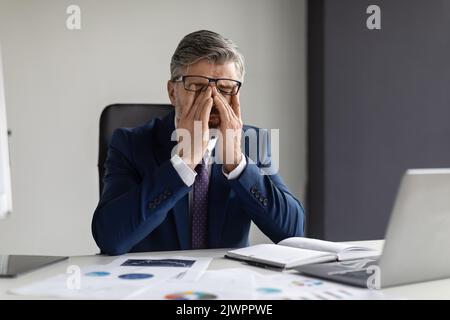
(144, 203)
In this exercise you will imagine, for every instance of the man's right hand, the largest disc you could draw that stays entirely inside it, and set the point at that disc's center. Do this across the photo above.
(197, 117)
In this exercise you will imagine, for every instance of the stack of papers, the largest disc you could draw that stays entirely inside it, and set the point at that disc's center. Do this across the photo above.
(185, 278)
(120, 279)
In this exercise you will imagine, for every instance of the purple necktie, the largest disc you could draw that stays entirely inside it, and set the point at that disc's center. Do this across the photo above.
(200, 208)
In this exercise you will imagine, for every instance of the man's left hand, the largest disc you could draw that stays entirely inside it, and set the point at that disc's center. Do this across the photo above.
(231, 129)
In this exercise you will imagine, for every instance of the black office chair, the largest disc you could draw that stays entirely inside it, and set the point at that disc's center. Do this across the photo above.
(124, 116)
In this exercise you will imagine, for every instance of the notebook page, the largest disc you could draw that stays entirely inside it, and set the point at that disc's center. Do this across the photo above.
(276, 253)
(319, 245)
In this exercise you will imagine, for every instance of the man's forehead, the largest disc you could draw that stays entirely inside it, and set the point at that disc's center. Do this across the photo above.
(212, 70)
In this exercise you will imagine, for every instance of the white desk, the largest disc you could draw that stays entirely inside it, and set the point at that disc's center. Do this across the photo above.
(426, 290)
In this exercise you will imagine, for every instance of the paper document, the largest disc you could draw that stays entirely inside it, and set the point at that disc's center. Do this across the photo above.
(288, 286)
(190, 268)
(118, 280)
(235, 284)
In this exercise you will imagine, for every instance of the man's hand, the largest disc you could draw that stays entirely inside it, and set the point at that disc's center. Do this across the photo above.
(231, 129)
(197, 117)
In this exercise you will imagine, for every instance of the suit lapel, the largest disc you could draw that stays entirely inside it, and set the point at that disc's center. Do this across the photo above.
(162, 154)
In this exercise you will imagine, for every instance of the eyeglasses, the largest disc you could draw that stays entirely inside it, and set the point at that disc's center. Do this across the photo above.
(199, 83)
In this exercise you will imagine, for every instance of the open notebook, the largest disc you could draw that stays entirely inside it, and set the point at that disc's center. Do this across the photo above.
(296, 251)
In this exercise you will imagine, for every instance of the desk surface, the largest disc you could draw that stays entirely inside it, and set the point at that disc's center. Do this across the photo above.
(426, 290)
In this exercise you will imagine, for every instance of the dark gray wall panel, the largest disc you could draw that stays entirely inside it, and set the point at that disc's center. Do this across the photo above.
(380, 105)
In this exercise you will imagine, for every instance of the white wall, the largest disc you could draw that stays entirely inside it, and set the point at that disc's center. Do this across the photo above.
(58, 81)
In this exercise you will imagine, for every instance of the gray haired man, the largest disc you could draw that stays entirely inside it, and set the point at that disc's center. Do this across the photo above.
(160, 196)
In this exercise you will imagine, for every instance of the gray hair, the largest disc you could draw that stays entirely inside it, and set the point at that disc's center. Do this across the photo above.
(209, 45)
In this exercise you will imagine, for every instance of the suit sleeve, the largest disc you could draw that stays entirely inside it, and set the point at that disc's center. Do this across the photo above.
(269, 203)
(131, 205)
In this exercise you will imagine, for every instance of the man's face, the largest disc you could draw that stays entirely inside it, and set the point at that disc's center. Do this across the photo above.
(183, 100)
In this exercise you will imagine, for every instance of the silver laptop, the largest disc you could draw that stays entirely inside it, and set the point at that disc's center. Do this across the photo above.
(417, 242)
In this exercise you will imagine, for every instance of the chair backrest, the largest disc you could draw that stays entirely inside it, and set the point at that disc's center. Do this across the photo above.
(124, 116)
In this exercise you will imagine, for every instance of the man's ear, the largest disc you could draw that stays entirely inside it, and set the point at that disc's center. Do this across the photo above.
(171, 92)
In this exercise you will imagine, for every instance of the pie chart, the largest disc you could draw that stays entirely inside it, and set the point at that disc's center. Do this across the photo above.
(190, 295)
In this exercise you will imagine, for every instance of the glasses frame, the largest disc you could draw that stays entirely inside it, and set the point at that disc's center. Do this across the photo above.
(183, 79)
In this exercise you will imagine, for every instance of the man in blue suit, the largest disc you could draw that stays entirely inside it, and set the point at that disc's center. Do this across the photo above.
(164, 188)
